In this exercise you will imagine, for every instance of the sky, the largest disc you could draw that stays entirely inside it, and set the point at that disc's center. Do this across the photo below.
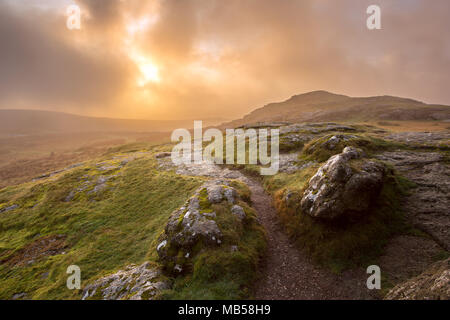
(199, 59)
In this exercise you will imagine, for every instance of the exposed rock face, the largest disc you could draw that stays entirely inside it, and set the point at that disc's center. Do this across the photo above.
(194, 225)
(338, 189)
(421, 138)
(433, 284)
(134, 283)
(427, 206)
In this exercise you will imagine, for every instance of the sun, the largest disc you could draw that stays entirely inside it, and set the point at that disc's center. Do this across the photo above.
(149, 73)
(148, 70)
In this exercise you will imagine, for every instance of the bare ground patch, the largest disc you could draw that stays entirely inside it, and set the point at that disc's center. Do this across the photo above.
(36, 250)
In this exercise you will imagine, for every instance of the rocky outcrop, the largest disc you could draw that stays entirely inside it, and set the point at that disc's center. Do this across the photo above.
(427, 204)
(340, 188)
(194, 225)
(421, 138)
(142, 282)
(433, 284)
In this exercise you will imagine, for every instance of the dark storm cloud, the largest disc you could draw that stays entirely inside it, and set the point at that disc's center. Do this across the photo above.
(41, 67)
(270, 50)
(225, 57)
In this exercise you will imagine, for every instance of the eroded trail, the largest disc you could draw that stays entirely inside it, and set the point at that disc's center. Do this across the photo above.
(288, 273)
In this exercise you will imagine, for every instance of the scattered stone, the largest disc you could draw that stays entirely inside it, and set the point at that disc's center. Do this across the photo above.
(19, 296)
(124, 162)
(337, 189)
(14, 206)
(238, 211)
(163, 155)
(178, 268)
(134, 283)
(48, 175)
(70, 196)
(332, 142)
(108, 168)
(289, 163)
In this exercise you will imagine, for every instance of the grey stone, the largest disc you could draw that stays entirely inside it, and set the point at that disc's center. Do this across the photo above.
(18, 296)
(337, 189)
(131, 283)
(70, 196)
(215, 193)
(14, 206)
(230, 194)
(238, 211)
(194, 226)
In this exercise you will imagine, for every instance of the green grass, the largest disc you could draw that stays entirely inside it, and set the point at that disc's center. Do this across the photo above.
(343, 244)
(316, 150)
(226, 271)
(118, 226)
(220, 272)
(103, 233)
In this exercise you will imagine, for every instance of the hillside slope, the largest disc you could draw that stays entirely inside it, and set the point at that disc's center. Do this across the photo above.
(25, 122)
(319, 106)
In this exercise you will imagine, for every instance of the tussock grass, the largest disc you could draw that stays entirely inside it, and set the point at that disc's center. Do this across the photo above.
(226, 271)
(316, 150)
(104, 233)
(118, 226)
(223, 272)
(343, 244)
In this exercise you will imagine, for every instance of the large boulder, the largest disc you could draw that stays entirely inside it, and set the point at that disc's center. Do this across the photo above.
(342, 187)
(432, 284)
(194, 225)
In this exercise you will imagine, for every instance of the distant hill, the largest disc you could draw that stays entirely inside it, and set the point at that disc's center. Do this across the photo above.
(320, 106)
(23, 122)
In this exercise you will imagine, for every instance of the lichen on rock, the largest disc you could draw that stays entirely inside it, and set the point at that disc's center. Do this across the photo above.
(339, 189)
(142, 282)
(194, 225)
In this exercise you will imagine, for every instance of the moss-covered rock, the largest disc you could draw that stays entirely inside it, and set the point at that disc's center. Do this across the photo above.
(194, 226)
(338, 188)
(321, 149)
(351, 236)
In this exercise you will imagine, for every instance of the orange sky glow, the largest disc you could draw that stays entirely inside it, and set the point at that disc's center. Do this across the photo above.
(197, 59)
